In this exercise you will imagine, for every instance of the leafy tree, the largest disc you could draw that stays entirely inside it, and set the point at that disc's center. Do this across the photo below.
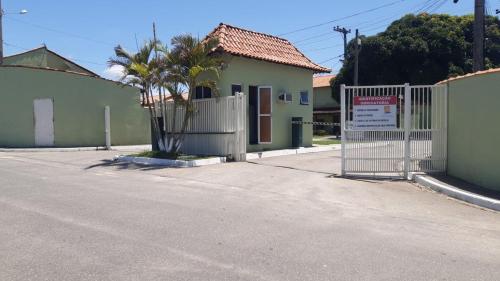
(419, 49)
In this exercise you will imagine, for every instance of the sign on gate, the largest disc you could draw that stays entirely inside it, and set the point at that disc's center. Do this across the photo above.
(375, 113)
(393, 130)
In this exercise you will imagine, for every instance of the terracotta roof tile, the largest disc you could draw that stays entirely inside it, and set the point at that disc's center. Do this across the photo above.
(168, 98)
(251, 44)
(493, 70)
(322, 81)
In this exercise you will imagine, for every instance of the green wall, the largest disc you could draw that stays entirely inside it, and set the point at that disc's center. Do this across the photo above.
(79, 103)
(323, 98)
(474, 130)
(249, 72)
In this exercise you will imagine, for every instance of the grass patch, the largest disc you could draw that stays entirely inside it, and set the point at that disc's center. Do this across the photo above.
(326, 141)
(170, 156)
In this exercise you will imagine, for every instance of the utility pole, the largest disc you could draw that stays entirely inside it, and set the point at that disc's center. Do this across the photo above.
(478, 56)
(344, 32)
(357, 50)
(1, 34)
(478, 48)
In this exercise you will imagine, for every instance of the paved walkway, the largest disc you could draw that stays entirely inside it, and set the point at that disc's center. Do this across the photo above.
(78, 216)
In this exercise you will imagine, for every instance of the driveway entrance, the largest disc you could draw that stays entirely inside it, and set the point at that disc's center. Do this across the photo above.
(79, 216)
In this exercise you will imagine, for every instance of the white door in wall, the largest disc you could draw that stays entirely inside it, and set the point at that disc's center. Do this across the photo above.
(44, 122)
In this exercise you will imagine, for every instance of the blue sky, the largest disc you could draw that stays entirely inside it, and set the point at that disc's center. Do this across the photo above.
(86, 31)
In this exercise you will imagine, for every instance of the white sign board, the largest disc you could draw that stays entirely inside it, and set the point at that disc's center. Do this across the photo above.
(375, 113)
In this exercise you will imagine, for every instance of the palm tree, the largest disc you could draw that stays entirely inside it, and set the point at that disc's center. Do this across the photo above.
(142, 70)
(190, 63)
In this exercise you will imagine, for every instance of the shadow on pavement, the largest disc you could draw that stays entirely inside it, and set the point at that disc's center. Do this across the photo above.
(126, 166)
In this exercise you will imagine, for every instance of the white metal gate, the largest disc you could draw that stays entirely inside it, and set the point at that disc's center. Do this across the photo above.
(417, 142)
(217, 127)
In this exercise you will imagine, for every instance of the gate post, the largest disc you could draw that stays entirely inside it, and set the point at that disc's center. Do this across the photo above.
(107, 126)
(239, 119)
(407, 129)
(342, 126)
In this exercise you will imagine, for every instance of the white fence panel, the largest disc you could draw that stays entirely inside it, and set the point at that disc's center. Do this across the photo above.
(217, 126)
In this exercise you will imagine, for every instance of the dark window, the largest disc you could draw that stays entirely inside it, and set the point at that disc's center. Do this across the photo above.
(235, 89)
(253, 116)
(304, 98)
(203, 93)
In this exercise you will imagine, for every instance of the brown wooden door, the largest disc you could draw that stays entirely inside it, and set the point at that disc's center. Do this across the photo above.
(265, 114)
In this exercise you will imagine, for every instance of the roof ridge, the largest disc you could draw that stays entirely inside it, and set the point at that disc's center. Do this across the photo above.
(244, 42)
(28, 51)
(252, 31)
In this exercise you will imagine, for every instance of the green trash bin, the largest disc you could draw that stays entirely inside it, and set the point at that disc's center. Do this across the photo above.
(297, 132)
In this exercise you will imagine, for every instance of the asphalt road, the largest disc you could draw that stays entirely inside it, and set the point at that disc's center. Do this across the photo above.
(76, 216)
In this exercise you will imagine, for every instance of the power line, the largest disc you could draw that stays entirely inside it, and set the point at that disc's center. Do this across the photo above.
(343, 18)
(317, 41)
(312, 37)
(325, 48)
(61, 32)
(420, 6)
(438, 6)
(330, 59)
(386, 21)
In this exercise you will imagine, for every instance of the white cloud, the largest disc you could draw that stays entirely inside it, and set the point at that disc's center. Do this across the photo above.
(114, 72)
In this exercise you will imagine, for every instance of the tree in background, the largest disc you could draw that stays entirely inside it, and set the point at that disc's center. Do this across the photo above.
(419, 49)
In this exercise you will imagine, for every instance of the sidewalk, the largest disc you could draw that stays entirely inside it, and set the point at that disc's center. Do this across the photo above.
(284, 152)
(461, 190)
(73, 149)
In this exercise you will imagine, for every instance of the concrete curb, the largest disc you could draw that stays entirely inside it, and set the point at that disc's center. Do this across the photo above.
(75, 149)
(53, 149)
(169, 163)
(441, 187)
(285, 152)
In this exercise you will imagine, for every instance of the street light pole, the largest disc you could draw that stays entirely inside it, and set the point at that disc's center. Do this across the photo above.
(2, 13)
(1, 34)
(357, 49)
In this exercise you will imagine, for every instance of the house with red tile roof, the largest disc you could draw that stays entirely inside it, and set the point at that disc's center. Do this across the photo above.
(275, 76)
(325, 108)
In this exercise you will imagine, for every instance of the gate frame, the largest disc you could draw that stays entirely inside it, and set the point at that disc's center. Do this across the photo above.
(407, 125)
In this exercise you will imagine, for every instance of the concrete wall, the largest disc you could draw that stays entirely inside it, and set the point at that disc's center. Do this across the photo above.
(474, 130)
(79, 103)
(249, 72)
(323, 98)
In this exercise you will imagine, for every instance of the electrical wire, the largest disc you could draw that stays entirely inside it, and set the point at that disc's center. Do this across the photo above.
(343, 18)
(330, 59)
(60, 32)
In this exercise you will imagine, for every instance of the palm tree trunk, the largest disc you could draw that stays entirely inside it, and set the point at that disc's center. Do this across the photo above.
(187, 115)
(154, 119)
